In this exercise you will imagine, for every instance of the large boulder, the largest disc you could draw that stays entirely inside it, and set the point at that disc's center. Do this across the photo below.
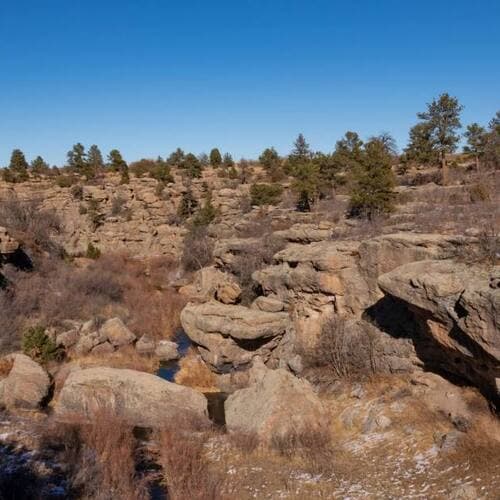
(456, 308)
(139, 398)
(230, 336)
(276, 403)
(117, 333)
(238, 322)
(26, 386)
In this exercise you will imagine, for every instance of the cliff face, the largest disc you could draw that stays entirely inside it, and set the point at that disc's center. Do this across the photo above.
(139, 217)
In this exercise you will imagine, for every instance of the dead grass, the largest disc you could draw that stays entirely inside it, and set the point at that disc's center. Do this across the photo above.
(114, 285)
(5, 366)
(193, 372)
(187, 471)
(99, 457)
(126, 357)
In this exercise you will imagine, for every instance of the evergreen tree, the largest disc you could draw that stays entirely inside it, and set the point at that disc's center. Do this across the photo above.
(95, 163)
(492, 145)
(161, 171)
(372, 191)
(215, 158)
(192, 166)
(301, 153)
(116, 163)
(39, 167)
(77, 159)
(187, 206)
(18, 167)
(421, 146)
(307, 184)
(269, 158)
(476, 141)
(443, 118)
(207, 213)
(227, 161)
(176, 158)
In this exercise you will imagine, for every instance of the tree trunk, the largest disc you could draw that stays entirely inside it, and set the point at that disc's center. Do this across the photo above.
(444, 169)
(477, 163)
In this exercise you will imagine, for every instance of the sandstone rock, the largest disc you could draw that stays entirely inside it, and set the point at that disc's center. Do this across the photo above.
(226, 251)
(458, 316)
(87, 342)
(139, 398)
(145, 345)
(268, 304)
(68, 339)
(104, 348)
(27, 384)
(166, 350)
(306, 233)
(8, 244)
(117, 333)
(228, 293)
(238, 322)
(276, 403)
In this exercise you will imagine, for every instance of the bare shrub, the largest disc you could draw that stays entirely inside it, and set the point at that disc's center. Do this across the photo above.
(197, 252)
(118, 205)
(246, 442)
(255, 257)
(114, 285)
(313, 444)
(344, 351)
(186, 469)
(33, 226)
(99, 457)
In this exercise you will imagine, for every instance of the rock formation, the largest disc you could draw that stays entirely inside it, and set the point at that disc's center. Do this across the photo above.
(139, 398)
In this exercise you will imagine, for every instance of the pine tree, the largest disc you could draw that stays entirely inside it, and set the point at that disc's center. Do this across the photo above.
(187, 206)
(301, 153)
(215, 158)
(95, 162)
(192, 166)
(443, 118)
(227, 161)
(39, 167)
(207, 213)
(77, 159)
(476, 141)
(116, 163)
(18, 167)
(421, 146)
(372, 191)
(269, 158)
(176, 158)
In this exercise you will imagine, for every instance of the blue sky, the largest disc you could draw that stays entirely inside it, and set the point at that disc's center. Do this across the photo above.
(146, 76)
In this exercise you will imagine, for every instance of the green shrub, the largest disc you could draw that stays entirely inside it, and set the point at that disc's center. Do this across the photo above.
(66, 181)
(265, 194)
(38, 346)
(92, 252)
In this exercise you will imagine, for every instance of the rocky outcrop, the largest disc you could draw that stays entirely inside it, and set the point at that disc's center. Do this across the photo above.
(456, 308)
(276, 403)
(139, 398)
(26, 386)
(230, 336)
(8, 245)
(92, 338)
(307, 233)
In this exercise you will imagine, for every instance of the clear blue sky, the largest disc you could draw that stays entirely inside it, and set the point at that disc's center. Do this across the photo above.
(146, 76)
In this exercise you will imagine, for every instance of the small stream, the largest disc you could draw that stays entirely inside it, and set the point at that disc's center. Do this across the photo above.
(168, 370)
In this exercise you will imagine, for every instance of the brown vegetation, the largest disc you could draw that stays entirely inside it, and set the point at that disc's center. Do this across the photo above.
(193, 372)
(187, 471)
(99, 457)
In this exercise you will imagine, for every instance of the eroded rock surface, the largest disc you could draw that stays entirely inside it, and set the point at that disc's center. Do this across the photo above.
(457, 307)
(276, 403)
(26, 386)
(137, 397)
